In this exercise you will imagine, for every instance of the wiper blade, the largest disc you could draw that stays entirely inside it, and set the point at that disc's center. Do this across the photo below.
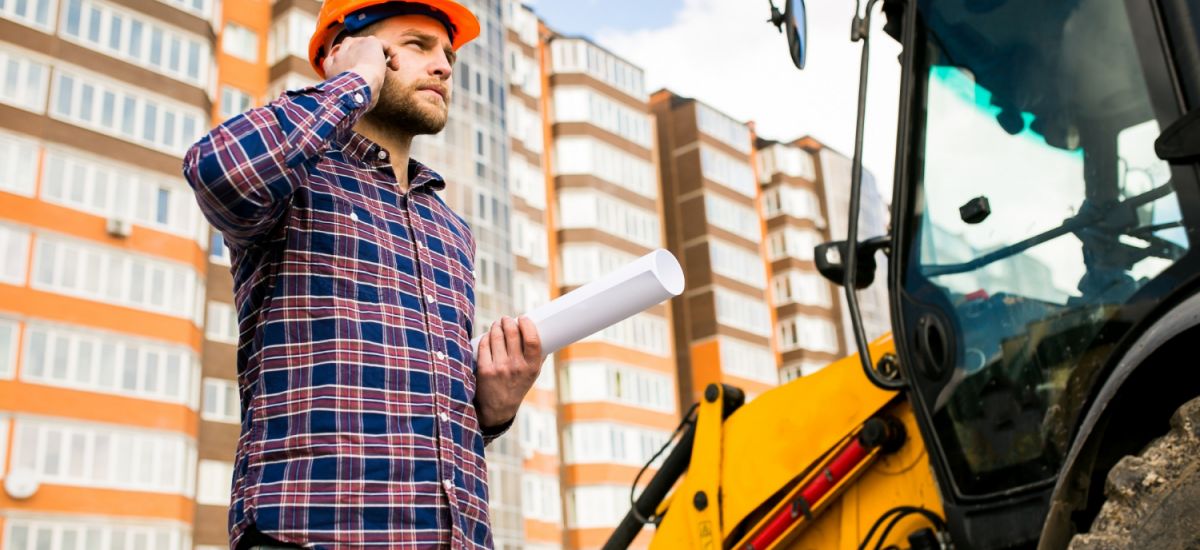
(1086, 217)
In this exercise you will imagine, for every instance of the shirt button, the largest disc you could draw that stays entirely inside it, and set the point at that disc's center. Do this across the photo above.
(358, 98)
(445, 417)
(440, 355)
(420, 244)
(382, 154)
(449, 485)
(429, 298)
(354, 216)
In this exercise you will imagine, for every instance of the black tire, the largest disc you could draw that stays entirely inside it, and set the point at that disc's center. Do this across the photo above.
(1153, 497)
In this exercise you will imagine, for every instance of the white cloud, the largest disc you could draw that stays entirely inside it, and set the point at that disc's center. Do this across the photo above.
(724, 53)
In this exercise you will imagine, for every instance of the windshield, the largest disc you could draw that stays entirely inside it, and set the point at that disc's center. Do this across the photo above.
(1041, 211)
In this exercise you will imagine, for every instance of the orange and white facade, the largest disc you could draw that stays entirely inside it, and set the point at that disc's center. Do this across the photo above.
(537, 421)
(102, 282)
(617, 393)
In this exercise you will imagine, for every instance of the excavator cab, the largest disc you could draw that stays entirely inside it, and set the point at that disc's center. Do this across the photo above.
(1036, 233)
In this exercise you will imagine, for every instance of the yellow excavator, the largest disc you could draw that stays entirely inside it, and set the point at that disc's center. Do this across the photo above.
(1038, 388)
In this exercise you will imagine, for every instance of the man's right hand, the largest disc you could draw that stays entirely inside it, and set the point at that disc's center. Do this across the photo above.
(367, 56)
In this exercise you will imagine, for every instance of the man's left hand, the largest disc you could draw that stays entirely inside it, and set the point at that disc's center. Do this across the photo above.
(510, 360)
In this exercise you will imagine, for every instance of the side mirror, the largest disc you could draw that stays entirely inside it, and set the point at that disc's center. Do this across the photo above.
(793, 21)
(829, 258)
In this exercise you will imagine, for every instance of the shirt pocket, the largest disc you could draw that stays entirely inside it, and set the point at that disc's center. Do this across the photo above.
(347, 246)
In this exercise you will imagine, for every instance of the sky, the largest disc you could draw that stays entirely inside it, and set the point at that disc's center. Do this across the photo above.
(724, 53)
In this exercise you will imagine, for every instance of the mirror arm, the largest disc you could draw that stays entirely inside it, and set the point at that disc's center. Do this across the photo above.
(860, 30)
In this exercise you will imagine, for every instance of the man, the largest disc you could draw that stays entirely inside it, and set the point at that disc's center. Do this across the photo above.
(364, 412)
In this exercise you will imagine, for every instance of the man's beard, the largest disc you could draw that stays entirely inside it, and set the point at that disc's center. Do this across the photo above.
(401, 110)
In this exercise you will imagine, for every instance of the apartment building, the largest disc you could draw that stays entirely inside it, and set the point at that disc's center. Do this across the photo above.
(723, 321)
(807, 306)
(617, 390)
(873, 221)
(102, 285)
(537, 422)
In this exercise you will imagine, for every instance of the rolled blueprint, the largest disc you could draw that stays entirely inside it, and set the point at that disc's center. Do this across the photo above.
(606, 301)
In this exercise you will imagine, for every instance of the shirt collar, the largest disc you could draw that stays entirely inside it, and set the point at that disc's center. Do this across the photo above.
(362, 149)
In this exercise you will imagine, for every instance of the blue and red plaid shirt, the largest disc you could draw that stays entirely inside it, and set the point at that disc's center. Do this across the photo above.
(355, 306)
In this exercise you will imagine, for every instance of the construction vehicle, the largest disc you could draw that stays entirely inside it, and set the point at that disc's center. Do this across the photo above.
(1038, 388)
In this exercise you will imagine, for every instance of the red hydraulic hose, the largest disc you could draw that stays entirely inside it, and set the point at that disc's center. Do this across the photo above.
(800, 510)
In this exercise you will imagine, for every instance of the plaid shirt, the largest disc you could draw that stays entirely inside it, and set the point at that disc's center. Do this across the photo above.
(355, 307)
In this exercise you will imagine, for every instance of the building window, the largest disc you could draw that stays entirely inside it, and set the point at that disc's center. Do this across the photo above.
(606, 442)
(214, 483)
(14, 244)
(222, 323)
(540, 498)
(525, 125)
(795, 202)
(218, 252)
(730, 172)
(18, 164)
(61, 533)
(585, 263)
(221, 402)
(808, 332)
(25, 80)
(527, 181)
(573, 55)
(538, 429)
(108, 363)
(528, 292)
(576, 104)
(108, 275)
(803, 288)
(8, 352)
(747, 360)
(590, 156)
(529, 240)
(130, 36)
(33, 13)
(742, 312)
(723, 128)
(240, 42)
(787, 160)
(737, 263)
(739, 219)
(585, 381)
(289, 35)
(792, 243)
(596, 210)
(234, 102)
(597, 506)
(98, 104)
(105, 456)
(83, 182)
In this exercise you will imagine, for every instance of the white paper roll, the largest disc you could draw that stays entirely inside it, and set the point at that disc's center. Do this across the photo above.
(606, 301)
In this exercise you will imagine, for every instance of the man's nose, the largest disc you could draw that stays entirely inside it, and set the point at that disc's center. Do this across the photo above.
(441, 67)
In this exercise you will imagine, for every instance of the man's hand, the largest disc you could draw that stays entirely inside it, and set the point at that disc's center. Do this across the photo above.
(510, 359)
(365, 55)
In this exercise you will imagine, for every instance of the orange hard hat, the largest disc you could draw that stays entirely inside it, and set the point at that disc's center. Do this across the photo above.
(334, 12)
